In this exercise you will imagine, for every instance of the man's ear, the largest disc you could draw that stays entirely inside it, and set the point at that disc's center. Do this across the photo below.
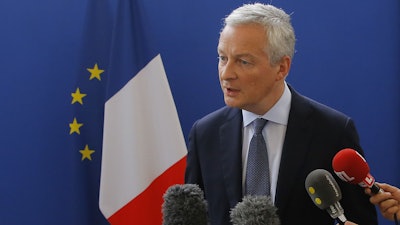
(284, 67)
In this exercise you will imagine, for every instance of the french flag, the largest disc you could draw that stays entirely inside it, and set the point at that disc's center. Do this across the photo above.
(144, 151)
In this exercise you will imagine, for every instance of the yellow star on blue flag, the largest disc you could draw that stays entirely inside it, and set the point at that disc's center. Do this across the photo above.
(95, 72)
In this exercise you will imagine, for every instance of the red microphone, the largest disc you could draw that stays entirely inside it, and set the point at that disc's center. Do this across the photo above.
(350, 166)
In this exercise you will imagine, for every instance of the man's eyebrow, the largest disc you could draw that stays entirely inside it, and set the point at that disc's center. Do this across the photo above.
(244, 55)
(238, 55)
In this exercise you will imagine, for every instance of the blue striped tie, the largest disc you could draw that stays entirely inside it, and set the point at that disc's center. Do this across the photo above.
(257, 172)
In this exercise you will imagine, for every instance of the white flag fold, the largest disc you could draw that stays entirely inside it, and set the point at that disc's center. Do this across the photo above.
(142, 140)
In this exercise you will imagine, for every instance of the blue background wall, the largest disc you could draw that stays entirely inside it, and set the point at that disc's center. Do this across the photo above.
(348, 57)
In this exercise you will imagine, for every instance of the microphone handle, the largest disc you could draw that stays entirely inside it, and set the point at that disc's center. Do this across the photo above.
(341, 219)
(375, 189)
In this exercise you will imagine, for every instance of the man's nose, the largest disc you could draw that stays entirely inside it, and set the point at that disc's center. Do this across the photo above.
(227, 71)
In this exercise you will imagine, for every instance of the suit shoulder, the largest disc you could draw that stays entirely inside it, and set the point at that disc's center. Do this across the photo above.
(317, 108)
(327, 109)
(223, 114)
(217, 118)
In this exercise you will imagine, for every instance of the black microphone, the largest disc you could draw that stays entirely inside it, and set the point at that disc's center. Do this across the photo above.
(325, 193)
(255, 210)
(184, 204)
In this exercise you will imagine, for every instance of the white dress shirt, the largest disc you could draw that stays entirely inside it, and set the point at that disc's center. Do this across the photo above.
(274, 136)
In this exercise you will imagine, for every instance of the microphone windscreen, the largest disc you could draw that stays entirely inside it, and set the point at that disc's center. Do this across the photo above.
(255, 210)
(322, 188)
(350, 166)
(184, 204)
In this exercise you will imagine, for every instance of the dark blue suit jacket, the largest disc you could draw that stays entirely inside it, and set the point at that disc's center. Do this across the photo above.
(315, 133)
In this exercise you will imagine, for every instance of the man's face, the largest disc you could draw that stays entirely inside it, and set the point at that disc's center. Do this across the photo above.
(247, 78)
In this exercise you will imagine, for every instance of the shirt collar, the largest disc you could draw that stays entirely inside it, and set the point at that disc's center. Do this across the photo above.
(279, 113)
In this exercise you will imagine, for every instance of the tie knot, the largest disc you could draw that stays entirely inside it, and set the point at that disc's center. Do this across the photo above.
(259, 125)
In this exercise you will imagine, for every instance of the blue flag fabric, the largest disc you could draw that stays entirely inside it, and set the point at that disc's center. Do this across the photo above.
(87, 101)
(132, 45)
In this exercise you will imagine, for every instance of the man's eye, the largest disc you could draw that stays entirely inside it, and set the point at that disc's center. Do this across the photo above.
(222, 58)
(244, 62)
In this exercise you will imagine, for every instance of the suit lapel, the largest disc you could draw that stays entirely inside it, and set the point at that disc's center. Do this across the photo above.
(231, 155)
(295, 148)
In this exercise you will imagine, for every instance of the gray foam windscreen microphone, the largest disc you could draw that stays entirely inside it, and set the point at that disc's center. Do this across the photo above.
(325, 193)
(184, 204)
(255, 210)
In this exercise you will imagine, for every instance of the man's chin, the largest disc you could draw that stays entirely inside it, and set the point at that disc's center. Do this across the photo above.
(232, 103)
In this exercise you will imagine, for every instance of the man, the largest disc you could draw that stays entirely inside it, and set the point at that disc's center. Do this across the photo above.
(256, 48)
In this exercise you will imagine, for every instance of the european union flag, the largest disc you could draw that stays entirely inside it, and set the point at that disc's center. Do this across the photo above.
(87, 100)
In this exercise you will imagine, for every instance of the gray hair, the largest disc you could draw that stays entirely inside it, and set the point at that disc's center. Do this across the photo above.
(280, 33)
